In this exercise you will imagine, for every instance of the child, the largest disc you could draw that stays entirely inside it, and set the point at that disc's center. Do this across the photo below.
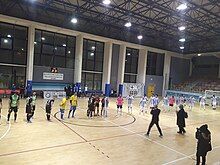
(48, 108)
(29, 109)
(130, 100)
(34, 98)
(73, 104)
(152, 99)
(171, 102)
(91, 108)
(119, 103)
(191, 103)
(156, 100)
(142, 104)
(62, 108)
(97, 100)
(13, 105)
(165, 103)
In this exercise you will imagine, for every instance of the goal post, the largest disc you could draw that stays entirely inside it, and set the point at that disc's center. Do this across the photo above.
(135, 89)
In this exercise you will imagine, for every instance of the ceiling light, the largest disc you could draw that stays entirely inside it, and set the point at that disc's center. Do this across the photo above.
(106, 2)
(128, 24)
(140, 37)
(181, 47)
(128, 54)
(5, 41)
(74, 20)
(181, 28)
(182, 40)
(22, 49)
(43, 38)
(181, 7)
(199, 54)
(35, 43)
(93, 47)
(55, 48)
(91, 54)
(9, 36)
(64, 45)
(68, 52)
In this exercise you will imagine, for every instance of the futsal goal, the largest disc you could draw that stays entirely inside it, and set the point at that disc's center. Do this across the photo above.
(209, 94)
(134, 89)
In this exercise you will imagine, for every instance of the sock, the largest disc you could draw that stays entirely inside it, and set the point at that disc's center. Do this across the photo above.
(9, 116)
(15, 116)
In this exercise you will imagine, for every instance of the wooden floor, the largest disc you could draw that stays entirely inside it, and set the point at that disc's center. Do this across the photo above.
(102, 141)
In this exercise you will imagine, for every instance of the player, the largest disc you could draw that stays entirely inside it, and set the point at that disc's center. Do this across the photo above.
(73, 105)
(142, 104)
(34, 98)
(104, 110)
(49, 108)
(97, 101)
(119, 103)
(29, 109)
(152, 99)
(0, 108)
(214, 102)
(130, 99)
(202, 102)
(166, 103)
(171, 102)
(156, 100)
(62, 107)
(13, 105)
(191, 103)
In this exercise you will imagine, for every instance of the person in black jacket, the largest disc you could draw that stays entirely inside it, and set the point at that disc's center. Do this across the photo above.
(155, 112)
(29, 109)
(48, 108)
(181, 115)
(204, 143)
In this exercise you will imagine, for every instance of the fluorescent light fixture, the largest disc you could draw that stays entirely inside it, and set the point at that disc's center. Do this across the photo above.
(181, 47)
(128, 54)
(182, 40)
(69, 52)
(5, 41)
(91, 54)
(55, 48)
(106, 2)
(74, 20)
(199, 54)
(9, 36)
(64, 45)
(128, 24)
(35, 43)
(43, 38)
(22, 49)
(181, 28)
(181, 7)
(139, 37)
(93, 47)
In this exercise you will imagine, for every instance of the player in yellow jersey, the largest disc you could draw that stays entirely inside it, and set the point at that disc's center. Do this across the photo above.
(62, 107)
(73, 104)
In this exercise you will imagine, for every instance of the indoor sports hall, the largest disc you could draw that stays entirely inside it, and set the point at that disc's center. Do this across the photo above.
(122, 82)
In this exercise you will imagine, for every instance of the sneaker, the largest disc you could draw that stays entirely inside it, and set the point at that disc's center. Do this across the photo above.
(179, 132)
(161, 136)
(147, 134)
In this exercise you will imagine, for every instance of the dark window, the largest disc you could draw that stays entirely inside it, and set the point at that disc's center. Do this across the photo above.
(57, 49)
(92, 80)
(13, 44)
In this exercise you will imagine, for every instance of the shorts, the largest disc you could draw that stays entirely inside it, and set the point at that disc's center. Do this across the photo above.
(15, 109)
(72, 108)
(103, 105)
(48, 110)
(171, 105)
(97, 104)
(119, 106)
(130, 105)
(33, 108)
(61, 110)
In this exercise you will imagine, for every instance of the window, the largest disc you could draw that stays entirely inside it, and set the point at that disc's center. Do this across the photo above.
(54, 50)
(92, 80)
(13, 44)
(131, 65)
(155, 64)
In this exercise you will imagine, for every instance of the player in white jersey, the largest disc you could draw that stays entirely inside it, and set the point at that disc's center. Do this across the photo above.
(130, 99)
(142, 104)
(152, 98)
(191, 102)
(156, 100)
(202, 102)
(214, 102)
(166, 103)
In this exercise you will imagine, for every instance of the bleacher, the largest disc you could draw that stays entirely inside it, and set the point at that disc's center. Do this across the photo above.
(197, 85)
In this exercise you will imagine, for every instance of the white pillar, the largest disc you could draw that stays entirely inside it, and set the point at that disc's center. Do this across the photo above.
(121, 66)
(166, 72)
(107, 68)
(219, 70)
(190, 68)
(30, 59)
(142, 63)
(78, 60)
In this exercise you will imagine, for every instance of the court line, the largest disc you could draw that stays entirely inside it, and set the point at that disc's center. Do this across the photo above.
(176, 160)
(9, 127)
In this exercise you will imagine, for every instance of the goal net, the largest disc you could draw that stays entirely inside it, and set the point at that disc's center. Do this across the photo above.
(134, 89)
(209, 94)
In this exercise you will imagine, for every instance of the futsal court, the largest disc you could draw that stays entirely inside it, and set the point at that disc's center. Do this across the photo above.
(111, 140)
